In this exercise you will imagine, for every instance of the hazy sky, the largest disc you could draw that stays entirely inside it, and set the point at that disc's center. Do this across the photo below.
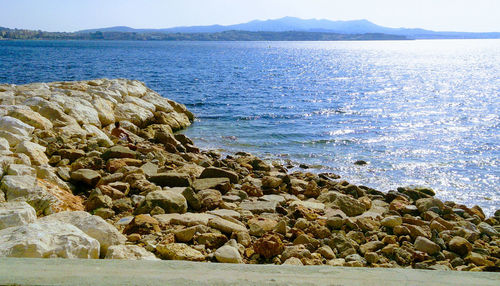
(72, 15)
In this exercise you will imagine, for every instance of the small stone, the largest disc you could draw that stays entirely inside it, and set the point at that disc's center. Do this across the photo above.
(221, 184)
(269, 182)
(213, 172)
(360, 162)
(259, 207)
(87, 176)
(171, 179)
(179, 251)
(259, 225)
(225, 225)
(391, 221)
(269, 245)
(326, 251)
(371, 257)
(210, 199)
(371, 246)
(118, 151)
(169, 201)
(487, 229)
(228, 254)
(293, 261)
(134, 237)
(129, 252)
(425, 245)
(211, 240)
(478, 259)
(105, 213)
(460, 245)
(142, 224)
(335, 222)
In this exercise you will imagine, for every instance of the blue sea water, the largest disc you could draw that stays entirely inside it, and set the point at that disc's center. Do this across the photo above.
(419, 112)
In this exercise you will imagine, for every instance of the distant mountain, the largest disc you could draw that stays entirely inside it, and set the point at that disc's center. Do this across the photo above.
(311, 25)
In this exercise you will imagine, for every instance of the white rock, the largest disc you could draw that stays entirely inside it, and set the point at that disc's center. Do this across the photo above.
(4, 147)
(50, 110)
(136, 88)
(47, 240)
(35, 151)
(15, 126)
(104, 109)
(98, 134)
(142, 103)
(228, 253)
(24, 188)
(72, 130)
(31, 117)
(12, 138)
(92, 225)
(21, 170)
(133, 113)
(16, 214)
(160, 103)
(129, 252)
(82, 111)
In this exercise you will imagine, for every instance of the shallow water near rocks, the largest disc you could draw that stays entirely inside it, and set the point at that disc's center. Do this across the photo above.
(419, 112)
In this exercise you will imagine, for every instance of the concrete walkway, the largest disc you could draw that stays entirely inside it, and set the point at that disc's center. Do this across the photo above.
(19, 271)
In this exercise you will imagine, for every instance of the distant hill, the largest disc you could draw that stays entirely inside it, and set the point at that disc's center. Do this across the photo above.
(287, 24)
(19, 34)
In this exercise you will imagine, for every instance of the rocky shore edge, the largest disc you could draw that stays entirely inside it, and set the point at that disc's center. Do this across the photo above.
(70, 189)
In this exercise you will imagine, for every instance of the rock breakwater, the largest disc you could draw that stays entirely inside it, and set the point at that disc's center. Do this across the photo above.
(75, 185)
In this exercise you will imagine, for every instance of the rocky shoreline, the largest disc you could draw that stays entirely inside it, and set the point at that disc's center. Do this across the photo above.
(70, 189)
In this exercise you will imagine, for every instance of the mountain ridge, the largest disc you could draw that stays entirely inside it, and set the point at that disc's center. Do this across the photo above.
(293, 24)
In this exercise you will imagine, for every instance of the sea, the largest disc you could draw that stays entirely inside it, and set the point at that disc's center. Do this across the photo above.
(424, 112)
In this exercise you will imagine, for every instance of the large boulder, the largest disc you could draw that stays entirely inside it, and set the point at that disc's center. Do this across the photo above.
(47, 240)
(16, 214)
(93, 226)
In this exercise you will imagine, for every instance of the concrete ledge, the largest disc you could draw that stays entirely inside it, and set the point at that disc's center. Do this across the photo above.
(26, 271)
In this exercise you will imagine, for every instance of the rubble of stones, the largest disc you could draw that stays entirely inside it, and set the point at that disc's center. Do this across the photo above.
(70, 189)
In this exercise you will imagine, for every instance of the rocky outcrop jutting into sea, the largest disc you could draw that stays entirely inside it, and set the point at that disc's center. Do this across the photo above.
(74, 185)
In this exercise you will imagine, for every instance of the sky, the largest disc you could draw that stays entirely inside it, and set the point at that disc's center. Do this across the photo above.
(74, 15)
